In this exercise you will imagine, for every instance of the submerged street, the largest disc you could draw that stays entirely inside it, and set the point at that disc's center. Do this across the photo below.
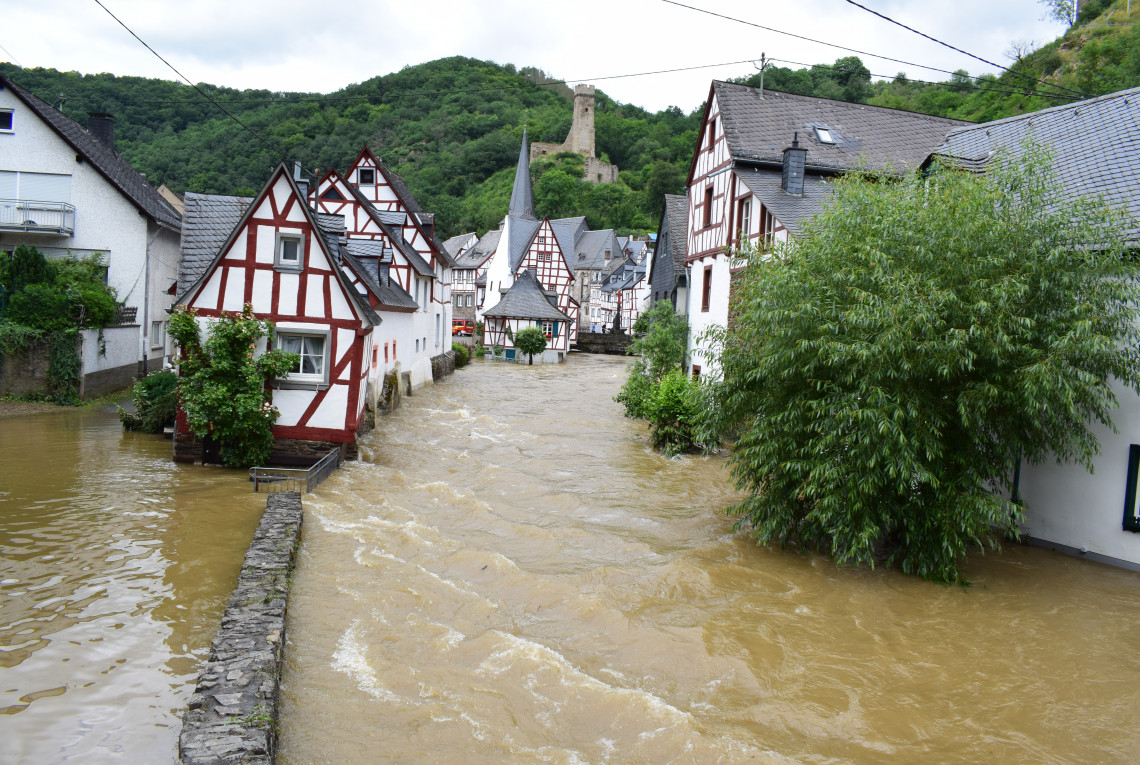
(510, 575)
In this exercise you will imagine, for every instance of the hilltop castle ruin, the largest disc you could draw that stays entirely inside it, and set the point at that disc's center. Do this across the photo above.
(581, 139)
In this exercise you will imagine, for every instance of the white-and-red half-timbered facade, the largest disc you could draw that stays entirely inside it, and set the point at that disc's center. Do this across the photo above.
(278, 260)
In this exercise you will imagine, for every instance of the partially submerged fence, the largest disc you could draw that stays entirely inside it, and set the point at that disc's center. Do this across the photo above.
(301, 480)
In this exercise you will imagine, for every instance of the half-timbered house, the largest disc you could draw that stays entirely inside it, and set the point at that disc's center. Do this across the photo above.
(382, 211)
(760, 169)
(276, 254)
(528, 304)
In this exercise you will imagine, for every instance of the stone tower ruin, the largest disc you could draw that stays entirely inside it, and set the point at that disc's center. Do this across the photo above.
(581, 139)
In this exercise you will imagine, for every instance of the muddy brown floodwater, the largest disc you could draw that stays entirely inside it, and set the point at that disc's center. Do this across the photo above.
(115, 565)
(509, 575)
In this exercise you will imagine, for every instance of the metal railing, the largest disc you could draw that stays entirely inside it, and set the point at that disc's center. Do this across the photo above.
(302, 480)
(29, 215)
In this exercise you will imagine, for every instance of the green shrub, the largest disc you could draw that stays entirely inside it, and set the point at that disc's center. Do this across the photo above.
(530, 341)
(462, 355)
(672, 411)
(156, 403)
(636, 393)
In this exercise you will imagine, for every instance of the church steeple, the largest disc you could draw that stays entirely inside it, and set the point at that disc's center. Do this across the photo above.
(522, 197)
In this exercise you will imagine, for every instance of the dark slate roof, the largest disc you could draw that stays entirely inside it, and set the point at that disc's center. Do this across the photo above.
(482, 250)
(386, 220)
(369, 248)
(522, 198)
(789, 209)
(110, 165)
(455, 243)
(390, 295)
(207, 221)
(590, 250)
(1095, 145)
(526, 300)
(874, 137)
(677, 210)
(330, 222)
(523, 231)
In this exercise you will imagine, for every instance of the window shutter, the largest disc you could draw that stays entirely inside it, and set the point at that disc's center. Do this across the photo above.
(556, 328)
(45, 187)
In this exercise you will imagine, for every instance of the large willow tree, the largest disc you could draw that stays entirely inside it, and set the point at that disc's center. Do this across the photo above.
(884, 374)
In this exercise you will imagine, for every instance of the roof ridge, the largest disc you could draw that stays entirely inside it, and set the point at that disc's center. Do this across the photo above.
(843, 104)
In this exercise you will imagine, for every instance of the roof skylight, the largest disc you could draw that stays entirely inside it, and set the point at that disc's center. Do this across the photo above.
(824, 135)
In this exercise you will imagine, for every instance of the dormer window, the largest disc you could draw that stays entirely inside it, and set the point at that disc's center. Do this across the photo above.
(366, 176)
(824, 135)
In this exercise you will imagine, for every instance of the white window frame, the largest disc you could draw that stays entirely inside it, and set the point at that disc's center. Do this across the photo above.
(157, 335)
(11, 121)
(300, 379)
(279, 260)
(360, 179)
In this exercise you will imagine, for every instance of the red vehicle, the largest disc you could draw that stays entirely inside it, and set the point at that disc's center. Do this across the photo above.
(463, 327)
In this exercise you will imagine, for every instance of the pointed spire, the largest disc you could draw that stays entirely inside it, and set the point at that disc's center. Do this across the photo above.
(522, 198)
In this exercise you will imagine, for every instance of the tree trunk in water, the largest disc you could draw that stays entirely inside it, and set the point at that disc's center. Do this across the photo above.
(530, 359)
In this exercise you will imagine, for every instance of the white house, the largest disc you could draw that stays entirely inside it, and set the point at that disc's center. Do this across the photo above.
(1096, 153)
(64, 190)
(760, 169)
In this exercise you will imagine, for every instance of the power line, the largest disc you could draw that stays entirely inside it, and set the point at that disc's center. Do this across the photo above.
(11, 56)
(205, 95)
(964, 52)
(1055, 96)
(811, 39)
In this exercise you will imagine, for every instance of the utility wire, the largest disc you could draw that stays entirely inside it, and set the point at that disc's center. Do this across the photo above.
(205, 95)
(964, 52)
(810, 39)
(11, 56)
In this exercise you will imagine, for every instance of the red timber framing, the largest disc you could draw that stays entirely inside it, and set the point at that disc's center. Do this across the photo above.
(308, 296)
(387, 194)
(710, 186)
(544, 258)
(334, 197)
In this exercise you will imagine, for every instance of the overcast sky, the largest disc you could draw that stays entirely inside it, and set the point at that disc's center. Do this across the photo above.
(295, 45)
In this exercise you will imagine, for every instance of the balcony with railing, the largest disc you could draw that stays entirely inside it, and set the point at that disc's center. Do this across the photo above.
(39, 217)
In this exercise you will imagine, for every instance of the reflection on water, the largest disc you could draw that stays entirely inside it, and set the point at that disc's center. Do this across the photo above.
(115, 565)
(510, 576)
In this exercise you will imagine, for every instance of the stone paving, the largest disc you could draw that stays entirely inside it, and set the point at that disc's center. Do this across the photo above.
(232, 714)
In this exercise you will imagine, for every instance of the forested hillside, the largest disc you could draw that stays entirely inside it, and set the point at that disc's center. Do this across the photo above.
(451, 128)
(1098, 54)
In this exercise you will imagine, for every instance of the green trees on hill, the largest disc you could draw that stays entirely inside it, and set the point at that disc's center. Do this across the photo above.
(451, 128)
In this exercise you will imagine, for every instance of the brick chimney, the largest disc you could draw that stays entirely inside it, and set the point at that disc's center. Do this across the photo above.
(795, 157)
(102, 126)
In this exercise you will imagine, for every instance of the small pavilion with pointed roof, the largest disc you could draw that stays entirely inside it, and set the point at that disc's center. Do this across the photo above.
(528, 304)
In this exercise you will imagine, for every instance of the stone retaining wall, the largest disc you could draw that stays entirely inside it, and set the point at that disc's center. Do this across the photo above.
(599, 342)
(232, 714)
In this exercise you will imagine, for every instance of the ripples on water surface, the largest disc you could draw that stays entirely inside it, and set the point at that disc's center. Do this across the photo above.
(510, 576)
(115, 565)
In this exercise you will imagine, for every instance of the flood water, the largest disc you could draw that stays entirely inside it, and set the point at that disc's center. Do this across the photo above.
(115, 566)
(509, 575)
